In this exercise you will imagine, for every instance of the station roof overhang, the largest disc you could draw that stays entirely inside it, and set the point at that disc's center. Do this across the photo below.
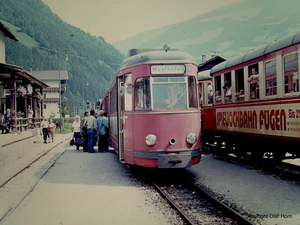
(7, 71)
(207, 65)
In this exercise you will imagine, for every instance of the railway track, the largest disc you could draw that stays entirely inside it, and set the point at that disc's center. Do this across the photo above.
(283, 170)
(30, 164)
(29, 170)
(196, 206)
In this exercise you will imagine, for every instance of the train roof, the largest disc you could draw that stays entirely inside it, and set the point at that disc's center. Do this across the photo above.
(156, 56)
(271, 47)
(204, 75)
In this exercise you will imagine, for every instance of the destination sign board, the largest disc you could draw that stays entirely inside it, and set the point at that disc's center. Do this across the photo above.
(168, 69)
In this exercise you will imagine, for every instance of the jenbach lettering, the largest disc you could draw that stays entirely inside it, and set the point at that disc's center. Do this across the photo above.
(265, 119)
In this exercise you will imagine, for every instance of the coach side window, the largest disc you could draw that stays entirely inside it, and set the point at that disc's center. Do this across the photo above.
(253, 80)
(227, 87)
(142, 99)
(209, 93)
(291, 73)
(218, 93)
(239, 85)
(270, 74)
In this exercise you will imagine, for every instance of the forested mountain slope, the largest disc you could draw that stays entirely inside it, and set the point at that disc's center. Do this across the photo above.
(44, 37)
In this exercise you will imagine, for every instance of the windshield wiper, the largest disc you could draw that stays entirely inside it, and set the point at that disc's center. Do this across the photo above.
(170, 106)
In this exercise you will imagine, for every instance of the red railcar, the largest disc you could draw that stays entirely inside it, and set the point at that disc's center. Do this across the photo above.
(256, 102)
(153, 109)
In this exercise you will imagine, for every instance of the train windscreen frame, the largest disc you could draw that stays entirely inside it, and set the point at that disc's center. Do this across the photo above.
(165, 93)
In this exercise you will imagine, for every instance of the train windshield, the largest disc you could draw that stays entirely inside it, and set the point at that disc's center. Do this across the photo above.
(165, 93)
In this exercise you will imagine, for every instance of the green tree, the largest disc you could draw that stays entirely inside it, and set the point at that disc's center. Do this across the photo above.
(64, 108)
(43, 34)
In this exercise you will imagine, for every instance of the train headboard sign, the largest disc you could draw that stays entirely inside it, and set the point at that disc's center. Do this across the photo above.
(167, 69)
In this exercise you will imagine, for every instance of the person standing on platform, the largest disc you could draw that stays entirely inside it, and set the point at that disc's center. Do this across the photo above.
(102, 128)
(92, 130)
(1, 122)
(76, 129)
(51, 130)
(83, 130)
(7, 121)
(44, 129)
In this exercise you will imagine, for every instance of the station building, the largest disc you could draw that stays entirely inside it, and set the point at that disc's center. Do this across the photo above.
(55, 79)
(19, 90)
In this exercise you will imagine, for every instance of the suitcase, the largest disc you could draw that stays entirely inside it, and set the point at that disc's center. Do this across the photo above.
(79, 141)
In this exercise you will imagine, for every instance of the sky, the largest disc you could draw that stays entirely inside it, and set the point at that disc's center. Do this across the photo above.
(116, 20)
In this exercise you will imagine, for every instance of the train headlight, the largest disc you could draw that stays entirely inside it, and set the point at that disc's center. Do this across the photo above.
(150, 139)
(191, 138)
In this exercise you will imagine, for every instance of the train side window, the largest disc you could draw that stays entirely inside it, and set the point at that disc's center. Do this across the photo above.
(192, 89)
(270, 74)
(227, 87)
(218, 92)
(209, 93)
(253, 80)
(113, 97)
(239, 85)
(206, 93)
(291, 73)
(142, 99)
(202, 93)
(128, 92)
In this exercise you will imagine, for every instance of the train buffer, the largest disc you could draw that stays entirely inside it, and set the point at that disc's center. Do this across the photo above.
(174, 158)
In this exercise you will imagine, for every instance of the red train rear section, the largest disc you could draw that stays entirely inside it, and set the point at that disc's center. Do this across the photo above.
(255, 102)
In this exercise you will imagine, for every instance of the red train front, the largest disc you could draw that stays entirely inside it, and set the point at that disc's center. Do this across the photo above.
(154, 112)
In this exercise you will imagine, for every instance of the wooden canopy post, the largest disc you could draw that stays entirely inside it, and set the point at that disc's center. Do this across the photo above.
(13, 98)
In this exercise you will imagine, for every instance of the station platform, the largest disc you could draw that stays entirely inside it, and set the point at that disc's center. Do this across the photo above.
(17, 150)
(73, 187)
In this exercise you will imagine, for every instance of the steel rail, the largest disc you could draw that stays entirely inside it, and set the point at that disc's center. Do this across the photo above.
(226, 209)
(234, 214)
(30, 164)
(12, 209)
(289, 166)
(280, 169)
(174, 205)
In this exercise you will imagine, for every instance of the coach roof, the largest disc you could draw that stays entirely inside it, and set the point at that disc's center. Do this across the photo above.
(157, 57)
(273, 46)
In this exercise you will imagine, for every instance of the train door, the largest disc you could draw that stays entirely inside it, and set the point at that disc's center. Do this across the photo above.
(120, 118)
